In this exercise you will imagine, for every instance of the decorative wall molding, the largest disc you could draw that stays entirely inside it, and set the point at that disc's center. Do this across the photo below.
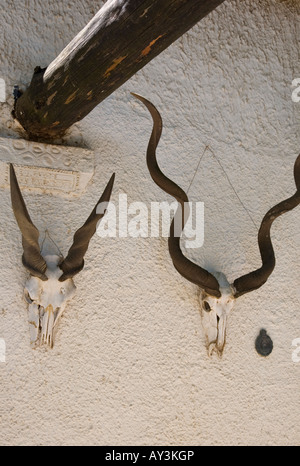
(45, 168)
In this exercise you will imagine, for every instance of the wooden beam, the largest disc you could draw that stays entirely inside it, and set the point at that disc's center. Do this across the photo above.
(121, 38)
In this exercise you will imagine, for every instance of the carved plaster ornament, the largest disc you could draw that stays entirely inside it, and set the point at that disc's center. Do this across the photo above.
(51, 285)
(217, 296)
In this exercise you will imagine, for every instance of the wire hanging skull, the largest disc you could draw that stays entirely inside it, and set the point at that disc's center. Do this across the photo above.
(51, 284)
(217, 296)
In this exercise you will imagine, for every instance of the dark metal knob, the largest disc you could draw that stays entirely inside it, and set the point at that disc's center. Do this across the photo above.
(263, 343)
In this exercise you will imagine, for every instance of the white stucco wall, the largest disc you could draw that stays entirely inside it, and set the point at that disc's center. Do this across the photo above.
(129, 365)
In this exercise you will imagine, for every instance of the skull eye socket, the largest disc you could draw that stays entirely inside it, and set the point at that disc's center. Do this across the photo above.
(27, 297)
(207, 306)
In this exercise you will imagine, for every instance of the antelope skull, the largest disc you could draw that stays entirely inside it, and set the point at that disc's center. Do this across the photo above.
(51, 285)
(217, 296)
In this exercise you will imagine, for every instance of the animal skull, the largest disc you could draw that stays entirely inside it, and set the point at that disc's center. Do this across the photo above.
(217, 296)
(51, 285)
(47, 301)
(215, 312)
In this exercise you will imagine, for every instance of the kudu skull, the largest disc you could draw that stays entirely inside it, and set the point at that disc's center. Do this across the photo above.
(51, 285)
(217, 296)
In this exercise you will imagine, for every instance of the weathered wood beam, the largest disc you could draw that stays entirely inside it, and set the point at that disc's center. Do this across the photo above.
(121, 38)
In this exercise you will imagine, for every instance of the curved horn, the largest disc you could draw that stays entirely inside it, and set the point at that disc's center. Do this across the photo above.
(32, 258)
(188, 269)
(253, 280)
(74, 261)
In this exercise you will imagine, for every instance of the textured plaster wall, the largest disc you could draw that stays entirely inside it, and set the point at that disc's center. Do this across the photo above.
(129, 365)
